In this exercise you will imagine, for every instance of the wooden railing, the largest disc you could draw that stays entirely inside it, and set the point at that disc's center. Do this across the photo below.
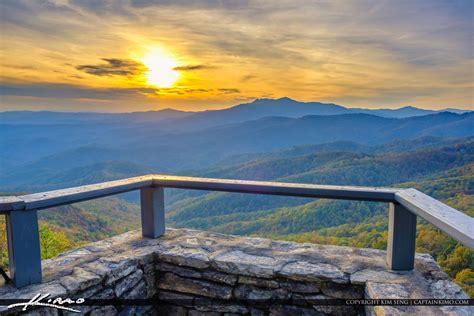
(405, 206)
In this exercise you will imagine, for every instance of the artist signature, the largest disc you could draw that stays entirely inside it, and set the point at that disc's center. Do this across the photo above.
(43, 300)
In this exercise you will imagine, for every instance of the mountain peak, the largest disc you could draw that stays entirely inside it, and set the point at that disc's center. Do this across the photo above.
(169, 110)
(286, 99)
(280, 101)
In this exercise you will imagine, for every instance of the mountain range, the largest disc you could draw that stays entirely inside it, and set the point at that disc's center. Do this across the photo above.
(278, 140)
(286, 107)
(254, 110)
(35, 147)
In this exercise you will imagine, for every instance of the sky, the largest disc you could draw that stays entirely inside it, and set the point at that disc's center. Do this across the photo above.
(138, 55)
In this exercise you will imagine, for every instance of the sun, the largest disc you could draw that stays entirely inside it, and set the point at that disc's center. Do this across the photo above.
(160, 65)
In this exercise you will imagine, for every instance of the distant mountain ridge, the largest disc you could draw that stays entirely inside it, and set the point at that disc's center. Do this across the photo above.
(259, 108)
(286, 107)
(52, 117)
(160, 151)
(44, 144)
(269, 140)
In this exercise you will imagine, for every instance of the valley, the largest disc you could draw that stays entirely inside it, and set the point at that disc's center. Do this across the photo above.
(433, 153)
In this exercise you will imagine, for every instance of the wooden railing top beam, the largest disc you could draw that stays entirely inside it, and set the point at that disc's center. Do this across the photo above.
(456, 224)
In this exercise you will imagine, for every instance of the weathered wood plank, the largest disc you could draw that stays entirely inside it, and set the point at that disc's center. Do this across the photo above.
(87, 192)
(84, 193)
(23, 247)
(453, 222)
(278, 188)
(152, 202)
(401, 238)
(9, 203)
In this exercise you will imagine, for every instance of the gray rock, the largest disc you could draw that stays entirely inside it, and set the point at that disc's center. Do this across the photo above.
(104, 294)
(300, 287)
(342, 291)
(119, 267)
(128, 282)
(98, 268)
(139, 291)
(219, 277)
(447, 289)
(89, 292)
(181, 271)
(248, 292)
(54, 289)
(112, 268)
(190, 257)
(79, 280)
(144, 255)
(149, 269)
(381, 276)
(176, 298)
(150, 284)
(258, 282)
(176, 283)
(206, 268)
(298, 299)
(238, 262)
(314, 298)
(376, 290)
(190, 273)
(303, 271)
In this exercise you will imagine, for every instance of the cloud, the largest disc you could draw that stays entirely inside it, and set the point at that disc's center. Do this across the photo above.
(191, 67)
(67, 91)
(229, 90)
(247, 78)
(359, 53)
(193, 91)
(209, 4)
(113, 67)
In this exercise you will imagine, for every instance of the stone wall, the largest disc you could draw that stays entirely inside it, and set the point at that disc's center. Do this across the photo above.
(190, 272)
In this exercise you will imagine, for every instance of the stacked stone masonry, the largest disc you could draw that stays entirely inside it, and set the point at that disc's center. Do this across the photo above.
(190, 272)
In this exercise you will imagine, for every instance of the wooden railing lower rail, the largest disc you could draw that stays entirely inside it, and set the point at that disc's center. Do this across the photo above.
(405, 206)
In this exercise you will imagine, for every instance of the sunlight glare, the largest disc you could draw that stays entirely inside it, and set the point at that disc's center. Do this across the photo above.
(160, 66)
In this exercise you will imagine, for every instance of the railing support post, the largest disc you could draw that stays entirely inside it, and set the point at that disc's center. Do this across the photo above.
(401, 238)
(153, 212)
(23, 247)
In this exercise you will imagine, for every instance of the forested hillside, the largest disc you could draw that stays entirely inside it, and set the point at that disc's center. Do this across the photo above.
(446, 173)
(42, 151)
(343, 168)
(433, 153)
(441, 168)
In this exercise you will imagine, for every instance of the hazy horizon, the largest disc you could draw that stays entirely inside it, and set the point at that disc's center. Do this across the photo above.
(226, 107)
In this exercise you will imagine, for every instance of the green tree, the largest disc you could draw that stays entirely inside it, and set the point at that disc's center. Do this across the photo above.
(52, 241)
(460, 259)
(465, 279)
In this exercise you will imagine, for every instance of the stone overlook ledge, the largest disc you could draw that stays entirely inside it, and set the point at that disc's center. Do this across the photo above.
(203, 273)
